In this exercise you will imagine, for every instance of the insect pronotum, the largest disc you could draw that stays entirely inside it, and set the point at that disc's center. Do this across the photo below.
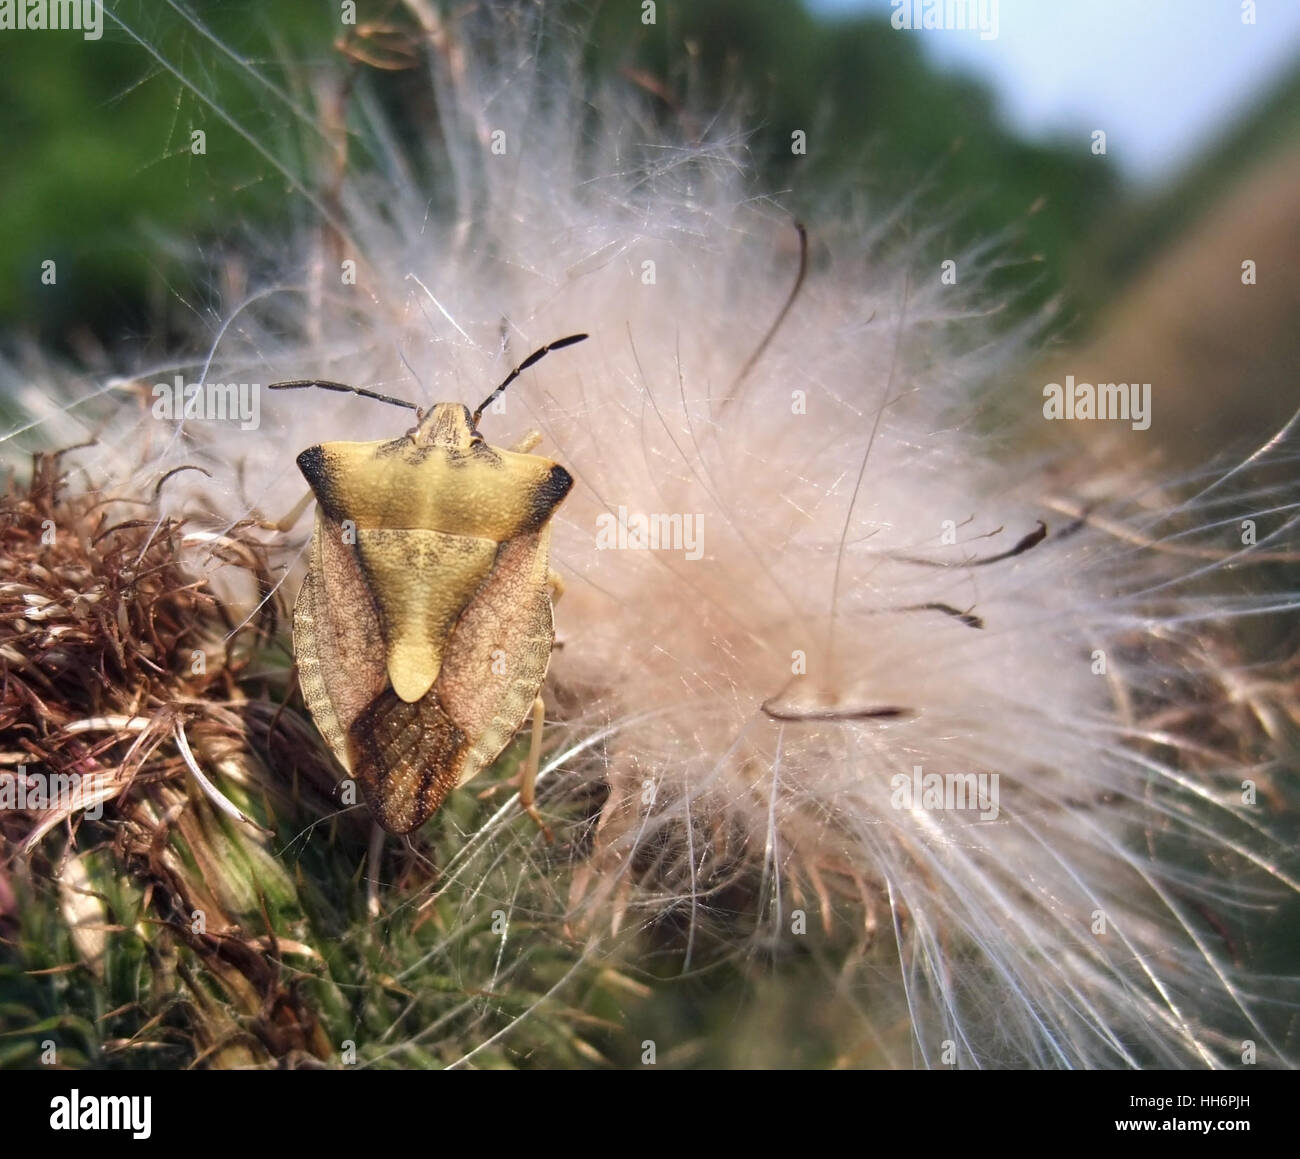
(424, 628)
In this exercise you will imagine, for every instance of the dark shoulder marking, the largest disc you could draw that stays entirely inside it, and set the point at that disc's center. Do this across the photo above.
(548, 496)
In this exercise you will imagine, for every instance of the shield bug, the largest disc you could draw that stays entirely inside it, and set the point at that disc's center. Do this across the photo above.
(424, 627)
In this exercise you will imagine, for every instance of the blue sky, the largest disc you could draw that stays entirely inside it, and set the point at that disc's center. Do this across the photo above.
(1163, 77)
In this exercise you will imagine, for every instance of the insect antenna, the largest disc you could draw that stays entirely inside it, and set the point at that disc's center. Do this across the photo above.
(534, 357)
(342, 387)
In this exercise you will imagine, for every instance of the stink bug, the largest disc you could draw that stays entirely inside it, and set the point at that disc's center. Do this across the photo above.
(424, 628)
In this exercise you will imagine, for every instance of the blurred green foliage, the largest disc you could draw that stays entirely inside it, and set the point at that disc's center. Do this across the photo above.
(98, 172)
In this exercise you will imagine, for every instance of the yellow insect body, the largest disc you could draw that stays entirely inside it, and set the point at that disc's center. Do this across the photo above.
(424, 627)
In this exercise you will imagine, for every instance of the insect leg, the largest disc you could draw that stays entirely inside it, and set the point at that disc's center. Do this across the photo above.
(528, 777)
(556, 584)
(527, 443)
(286, 522)
(377, 836)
